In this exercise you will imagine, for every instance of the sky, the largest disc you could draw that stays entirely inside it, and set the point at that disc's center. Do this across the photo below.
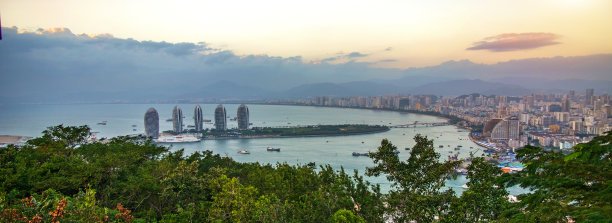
(384, 34)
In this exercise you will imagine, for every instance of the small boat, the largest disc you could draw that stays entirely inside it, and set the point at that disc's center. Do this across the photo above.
(440, 146)
(102, 123)
(465, 186)
(457, 148)
(273, 149)
(190, 126)
(361, 142)
(206, 120)
(133, 125)
(243, 152)
(134, 130)
(407, 148)
(169, 120)
(359, 154)
(450, 151)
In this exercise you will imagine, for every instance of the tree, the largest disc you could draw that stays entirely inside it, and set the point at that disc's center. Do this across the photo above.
(577, 185)
(485, 199)
(417, 182)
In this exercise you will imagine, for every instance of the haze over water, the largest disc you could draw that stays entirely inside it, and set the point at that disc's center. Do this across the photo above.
(336, 151)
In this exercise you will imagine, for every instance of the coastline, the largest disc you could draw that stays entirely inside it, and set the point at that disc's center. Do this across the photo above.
(372, 109)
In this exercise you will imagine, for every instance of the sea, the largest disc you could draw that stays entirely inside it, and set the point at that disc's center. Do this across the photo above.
(336, 151)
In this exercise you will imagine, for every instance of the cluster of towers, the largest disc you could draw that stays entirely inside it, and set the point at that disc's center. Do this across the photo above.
(151, 119)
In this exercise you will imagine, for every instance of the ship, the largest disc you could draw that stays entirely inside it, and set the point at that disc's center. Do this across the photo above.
(243, 152)
(178, 138)
(273, 149)
(359, 154)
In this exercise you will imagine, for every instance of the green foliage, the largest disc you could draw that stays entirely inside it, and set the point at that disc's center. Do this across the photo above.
(486, 197)
(345, 216)
(417, 182)
(314, 130)
(61, 176)
(578, 185)
(131, 179)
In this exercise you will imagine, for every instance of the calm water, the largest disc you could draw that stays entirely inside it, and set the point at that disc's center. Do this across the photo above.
(31, 120)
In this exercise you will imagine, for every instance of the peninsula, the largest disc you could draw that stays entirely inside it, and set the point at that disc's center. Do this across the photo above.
(297, 131)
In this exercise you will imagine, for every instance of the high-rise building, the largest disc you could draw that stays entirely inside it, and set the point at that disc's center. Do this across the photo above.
(589, 96)
(220, 118)
(197, 118)
(506, 129)
(177, 119)
(565, 104)
(243, 117)
(151, 123)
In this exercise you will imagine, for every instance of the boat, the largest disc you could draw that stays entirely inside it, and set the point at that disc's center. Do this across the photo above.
(457, 148)
(407, 148)
(465, 186)
(206, 120)
(273, 149)
(134, 130)
(243, 152)
(101, 123)
(190, 126)
(440, 146)
(359, 154)
(169, 120)
(396, 152)
(133, 125)
(178, 138)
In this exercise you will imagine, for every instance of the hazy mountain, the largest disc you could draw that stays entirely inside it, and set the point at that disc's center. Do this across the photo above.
(460, 87)
(62, 67)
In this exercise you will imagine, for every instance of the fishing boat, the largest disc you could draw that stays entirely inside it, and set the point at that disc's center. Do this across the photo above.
(272, 149)
(359, 154)
(243, 152)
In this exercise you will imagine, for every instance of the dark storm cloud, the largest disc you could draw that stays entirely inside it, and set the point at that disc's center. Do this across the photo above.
(515, 41)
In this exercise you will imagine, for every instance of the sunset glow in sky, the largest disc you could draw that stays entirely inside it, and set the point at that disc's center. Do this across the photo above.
(399, 34)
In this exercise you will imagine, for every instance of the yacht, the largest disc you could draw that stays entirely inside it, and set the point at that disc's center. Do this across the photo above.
(243, 152)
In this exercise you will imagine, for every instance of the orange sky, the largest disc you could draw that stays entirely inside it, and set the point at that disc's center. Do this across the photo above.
(403, 33)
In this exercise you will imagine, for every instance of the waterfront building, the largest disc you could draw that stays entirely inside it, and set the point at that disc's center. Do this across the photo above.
(502, 129)
(151, 123)
(243, 117)
(488, 127)
(198, 118)
(177, 119)
(220, 118)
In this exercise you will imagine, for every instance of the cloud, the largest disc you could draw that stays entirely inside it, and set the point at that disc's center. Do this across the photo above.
(387, 61)
(515, 41)
(50, 65)
(388, 49)
(355, 54)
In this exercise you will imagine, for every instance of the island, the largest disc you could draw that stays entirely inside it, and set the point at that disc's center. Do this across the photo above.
(296, 131)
